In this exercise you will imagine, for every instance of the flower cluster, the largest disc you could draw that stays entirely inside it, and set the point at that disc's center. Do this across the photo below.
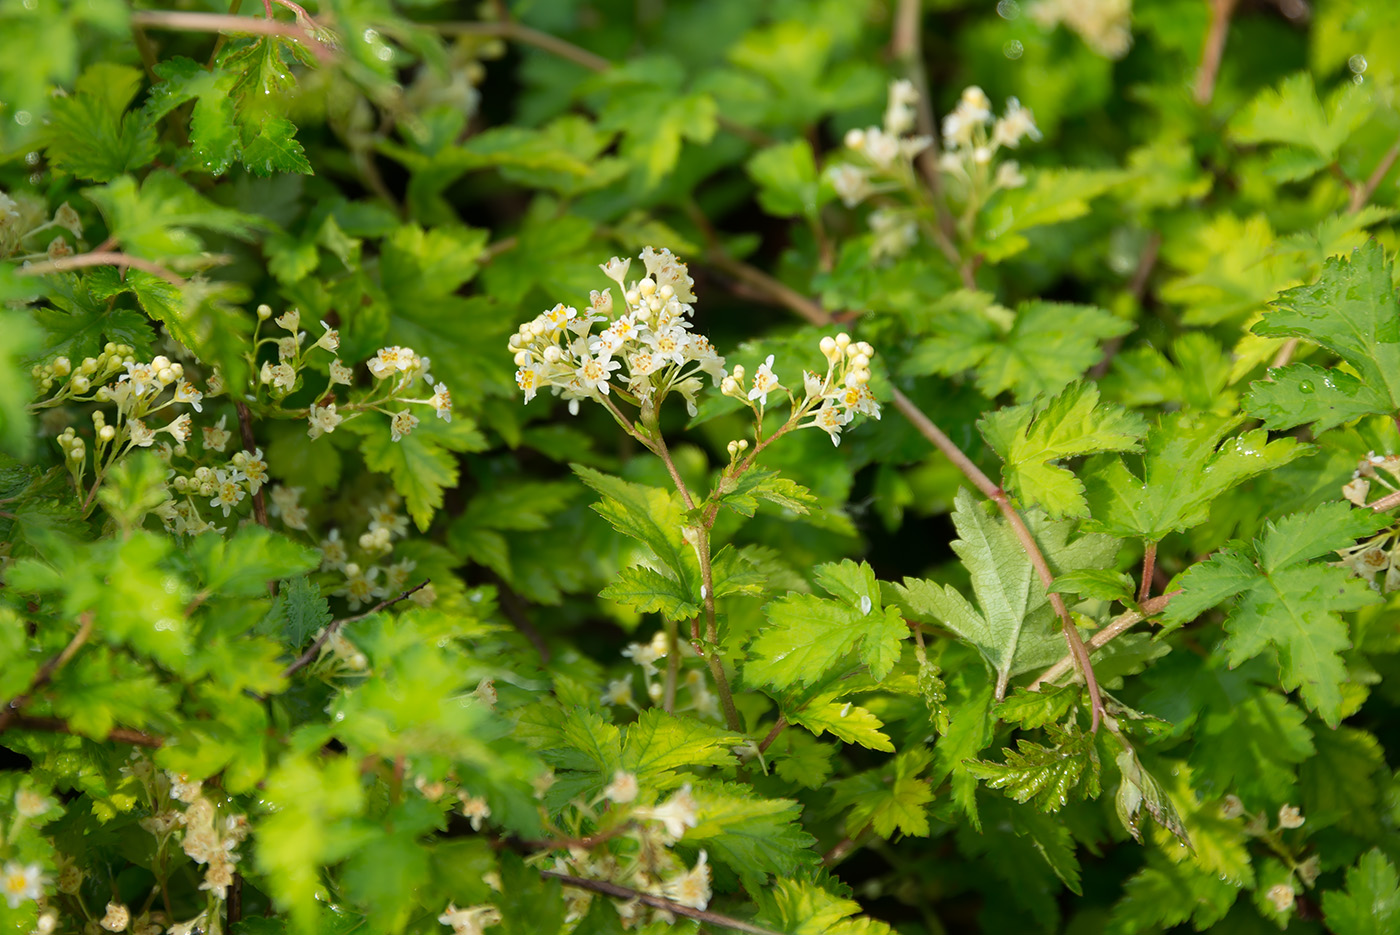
(367, 576)
(1376, 559)
(972, 136)
(1104, 25)
(701, 700)
(885, 150)
(645, 350)
(830, 401)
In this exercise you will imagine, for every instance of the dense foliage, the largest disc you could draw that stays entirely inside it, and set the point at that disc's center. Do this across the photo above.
(816, 466)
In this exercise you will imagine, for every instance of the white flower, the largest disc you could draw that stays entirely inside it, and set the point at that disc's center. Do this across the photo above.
(323, 419)
(253, 467)
(20, 882)
(594, 373)
(764, 382)
(1018, 122)
(663, 267)
(615, 269)
(333, 553)
(290, 320)
(359, 586)
(831, 419)
(30, 804)
(881, 148)
(622, 789)
(287, 348)
(1282, 896)
(118, 917)
(384, 516)
(216, 437)
(691, 888)
(475, 808)
(441, 402)
(528, 379)
(669, 344)
(141, 436)
(851, 183)
(228, 491)
(618, 692)
(402, 424)
(1289, 816)
(470, 921)
(899, 111)
(340, 373)
(677, 813)
(330, 341)
(186, 393)
(391, 360)
(559, 316)
(1009, 175)
(644, 655)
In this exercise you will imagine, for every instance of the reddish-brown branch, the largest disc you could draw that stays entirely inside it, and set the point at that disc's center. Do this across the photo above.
(56, 725)
(100, 258)
(1149, 565)
(181, 21)
(656, 902)
(1213, 52)
(1118, 626)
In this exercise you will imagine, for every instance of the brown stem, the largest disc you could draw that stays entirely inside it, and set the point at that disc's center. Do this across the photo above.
(59, 726)
(906, 47)
(843, 848)
(1285, 354)
(656, 902)
(1361, 195)
(1119, 625)
(814, 313)
(100, 258)
(245, 427)
(306, 658)
(11, 712)
(1137, 288)
(1149, 565)
(1214, 49)
(180, 21)
(519, 32)
(1389, 502)
(767, 742)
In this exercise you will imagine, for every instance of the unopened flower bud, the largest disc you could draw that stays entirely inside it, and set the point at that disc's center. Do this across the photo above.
(647, 286)
(843, 340)
(264, 312)
(107, 433)
(522, 358)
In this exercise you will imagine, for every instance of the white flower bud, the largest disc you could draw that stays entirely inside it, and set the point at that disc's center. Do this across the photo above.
(264, 312)
(552, 354)
(107, 433)
(828, 345)
(855, 138)
(522, 358)
(647, 286)
(843, 341)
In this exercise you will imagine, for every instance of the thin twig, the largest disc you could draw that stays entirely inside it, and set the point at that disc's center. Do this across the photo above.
(657, 902)
(11, 712)
(906, 47)
(1149, 565)
(306, 658)
(767, 742)
(180, 21)
(1116, 627)
(1360, 196)
(250, 444)
(814, 313)
(1389, 502)
(100, 258)
(1137, 288)
(1213, 51)
(56, 725)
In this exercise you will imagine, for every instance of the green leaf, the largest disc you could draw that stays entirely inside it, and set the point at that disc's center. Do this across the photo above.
(1139, 791)
(889, 800)
(1283, 604)
(310, 827)
(1015, 629)
(90, 134)
(1185, 468)
(1050, 196)
(658, 744)
(1096, 583)
(1370, 905)
(242, 564)
(1164, 894)
(650, 515)
(743, 493)
(1045, 774)
(16, 385)
(1037, 709)
(651, 592)
(786, 174)
(807, 635)
(157, 220)
(1038, 349)
(752, 835)
(421, 464)
(1293, 115)
(1351, 311)
(1032, 438)
(214, 142)
(801, 907)
(302, 609)
(849, 723)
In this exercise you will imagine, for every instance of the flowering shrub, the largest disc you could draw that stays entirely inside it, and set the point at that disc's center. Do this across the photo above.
(1069, 610)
